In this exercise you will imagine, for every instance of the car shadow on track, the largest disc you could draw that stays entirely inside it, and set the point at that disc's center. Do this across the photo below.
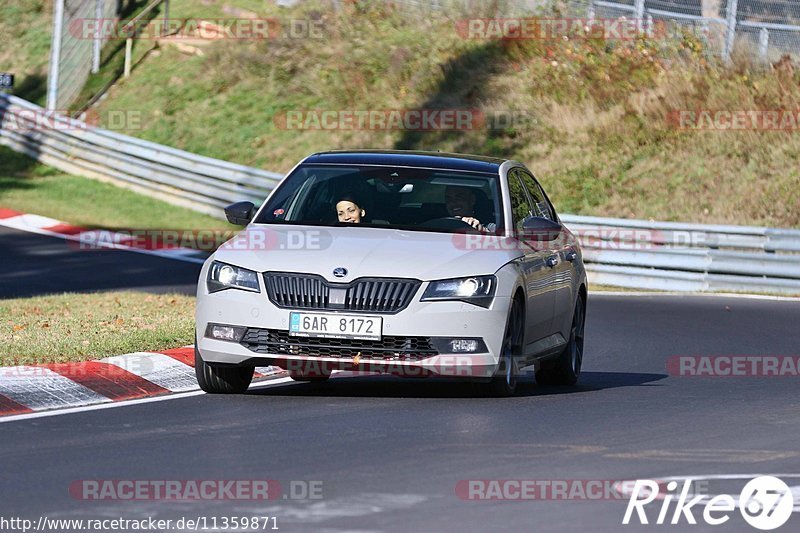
(394, 387)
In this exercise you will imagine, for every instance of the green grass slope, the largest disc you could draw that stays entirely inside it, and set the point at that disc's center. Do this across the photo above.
(598, 132)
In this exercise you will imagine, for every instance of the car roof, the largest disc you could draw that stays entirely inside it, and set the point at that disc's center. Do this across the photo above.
(402, 158)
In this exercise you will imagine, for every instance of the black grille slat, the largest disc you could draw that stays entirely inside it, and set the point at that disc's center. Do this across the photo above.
(402, 293)
(362, 297)
(379, 302)
(371, 298)
(392, 301)
(279, 342)
(306, 291)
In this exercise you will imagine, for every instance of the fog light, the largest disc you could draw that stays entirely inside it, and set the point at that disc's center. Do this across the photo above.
(463, 345)
(225, 333)
(445, 345)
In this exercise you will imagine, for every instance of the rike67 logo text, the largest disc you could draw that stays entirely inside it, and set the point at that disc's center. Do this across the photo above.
(765, 503)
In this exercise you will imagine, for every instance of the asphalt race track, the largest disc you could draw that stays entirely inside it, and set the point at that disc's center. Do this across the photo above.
(390, 453)
(32, 264)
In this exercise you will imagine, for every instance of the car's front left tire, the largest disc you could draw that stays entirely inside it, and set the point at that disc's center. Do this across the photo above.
(504, 382)
(218, 379)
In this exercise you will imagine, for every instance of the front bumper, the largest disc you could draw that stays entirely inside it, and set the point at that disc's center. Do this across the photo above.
(419, 319)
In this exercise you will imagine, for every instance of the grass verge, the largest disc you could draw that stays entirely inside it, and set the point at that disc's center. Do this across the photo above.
(26, 31)
(33, 188)
(79, 327)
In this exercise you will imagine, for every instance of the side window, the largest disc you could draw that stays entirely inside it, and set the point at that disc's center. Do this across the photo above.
(520, 207)
(540, 207)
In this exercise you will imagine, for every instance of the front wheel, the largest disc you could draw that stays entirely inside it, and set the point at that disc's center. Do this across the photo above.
(222, 379)
(504, 382)
(566, 369)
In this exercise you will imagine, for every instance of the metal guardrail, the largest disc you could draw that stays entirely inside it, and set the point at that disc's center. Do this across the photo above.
(688, 257)
(628, 253)
(201, 183)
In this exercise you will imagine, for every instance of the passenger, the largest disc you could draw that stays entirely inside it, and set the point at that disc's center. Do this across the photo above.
(460, 202)
(349, 210)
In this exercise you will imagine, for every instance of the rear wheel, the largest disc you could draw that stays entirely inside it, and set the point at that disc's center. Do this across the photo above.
(504, 382)
(221, 379)
(566, 368)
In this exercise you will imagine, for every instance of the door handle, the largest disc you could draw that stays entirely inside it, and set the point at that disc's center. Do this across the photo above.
(552, 261)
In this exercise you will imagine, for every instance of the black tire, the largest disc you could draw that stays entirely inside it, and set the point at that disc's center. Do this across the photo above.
(566, 368)
(222, 379)
(504, 382)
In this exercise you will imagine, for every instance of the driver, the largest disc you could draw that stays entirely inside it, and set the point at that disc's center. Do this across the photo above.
(460, 202)
(348, 210)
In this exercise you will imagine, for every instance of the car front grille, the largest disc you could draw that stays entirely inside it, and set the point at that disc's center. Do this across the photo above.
(279, 342)
(308, 291)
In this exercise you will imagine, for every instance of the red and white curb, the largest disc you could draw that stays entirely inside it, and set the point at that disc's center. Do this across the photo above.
(111, 240)
(28, 389)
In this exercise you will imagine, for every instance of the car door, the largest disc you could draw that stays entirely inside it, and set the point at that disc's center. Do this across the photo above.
(560, 257)
(539, 305)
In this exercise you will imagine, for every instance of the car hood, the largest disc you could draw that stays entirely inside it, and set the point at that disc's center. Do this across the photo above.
(366, 252)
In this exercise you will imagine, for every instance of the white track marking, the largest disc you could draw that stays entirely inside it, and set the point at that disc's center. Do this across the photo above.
(112, 405)
(37, 223)
(157, 368)
(27, 222)
(314, 512)
(40, 388)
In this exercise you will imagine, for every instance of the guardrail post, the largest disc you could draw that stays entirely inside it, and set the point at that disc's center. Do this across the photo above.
(55, 55)
(166, 18)
(730, 35)
(128, 53)
(590, 11)
(763, 44)
(639, 6)
(98, 39)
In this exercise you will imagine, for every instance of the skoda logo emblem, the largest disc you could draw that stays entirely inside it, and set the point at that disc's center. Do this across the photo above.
(340, 272)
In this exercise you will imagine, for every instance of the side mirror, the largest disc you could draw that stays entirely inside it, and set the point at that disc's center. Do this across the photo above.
(540, 229)
(240, 213)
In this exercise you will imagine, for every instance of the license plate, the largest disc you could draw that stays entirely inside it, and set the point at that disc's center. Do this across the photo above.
(335, 326)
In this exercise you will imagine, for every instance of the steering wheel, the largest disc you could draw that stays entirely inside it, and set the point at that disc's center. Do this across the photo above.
(448, 223)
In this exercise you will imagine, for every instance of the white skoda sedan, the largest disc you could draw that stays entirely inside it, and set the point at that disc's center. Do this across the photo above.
(405, 263)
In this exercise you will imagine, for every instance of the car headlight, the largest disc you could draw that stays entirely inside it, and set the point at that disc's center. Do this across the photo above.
(478, 290)
(223, 276)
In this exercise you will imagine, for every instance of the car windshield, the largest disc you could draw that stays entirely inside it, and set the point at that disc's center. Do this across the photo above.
(418, 199)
